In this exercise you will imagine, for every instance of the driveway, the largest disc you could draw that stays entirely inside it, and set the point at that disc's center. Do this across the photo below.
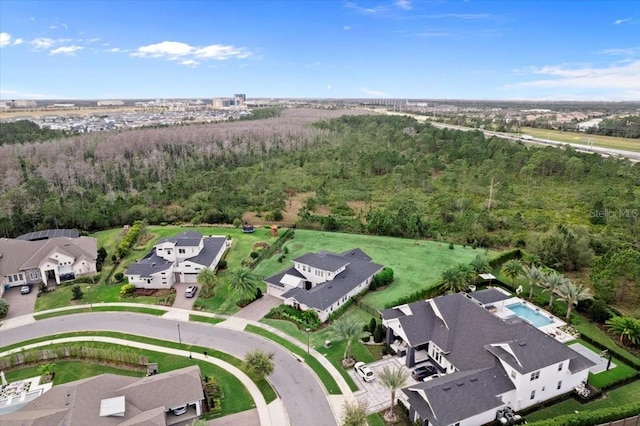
(258, 309)
(20, 304)
(181, 301)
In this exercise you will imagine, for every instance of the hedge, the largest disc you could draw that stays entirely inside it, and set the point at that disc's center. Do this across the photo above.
(594, 417)
(423, 294)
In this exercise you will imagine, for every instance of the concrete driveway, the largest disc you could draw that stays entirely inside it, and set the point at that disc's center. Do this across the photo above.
(258, 309)
(181, 301)
(20, 304)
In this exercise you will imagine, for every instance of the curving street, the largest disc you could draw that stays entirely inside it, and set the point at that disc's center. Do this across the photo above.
(302, 395)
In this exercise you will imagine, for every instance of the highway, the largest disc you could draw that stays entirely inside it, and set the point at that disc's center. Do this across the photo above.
(301, 393)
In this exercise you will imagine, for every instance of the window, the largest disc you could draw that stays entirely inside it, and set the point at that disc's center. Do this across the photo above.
(559, 385)
(560, 367)
(543, 388)
(533, 394)
(513, 374)
(10, 278)
(182, 251)
(535, 375)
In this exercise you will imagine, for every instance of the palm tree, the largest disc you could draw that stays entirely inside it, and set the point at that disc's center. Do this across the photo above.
(208, 281)
(627, 328)
(452, 280)
(512, 269)
(552, 282)
(572, 294)
(480, 265)
(243, 284)
(393, 379)
(354, 413)
(466, 273)
(534, 275)
(348, 329)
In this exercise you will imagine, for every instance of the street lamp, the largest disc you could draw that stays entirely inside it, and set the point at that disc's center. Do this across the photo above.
(308, 330)
(179, 337)
(90, 302)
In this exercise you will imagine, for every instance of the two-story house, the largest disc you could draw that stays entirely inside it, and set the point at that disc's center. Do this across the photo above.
(323, 281)
(488, 362)
(177, 259)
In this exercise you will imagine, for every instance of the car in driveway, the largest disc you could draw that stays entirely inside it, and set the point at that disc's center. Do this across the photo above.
(180, 410)
(190, 291)
(25, 289)
(423, 372)
(364, 372)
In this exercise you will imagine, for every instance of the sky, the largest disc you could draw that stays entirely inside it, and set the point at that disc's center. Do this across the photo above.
(513, 50)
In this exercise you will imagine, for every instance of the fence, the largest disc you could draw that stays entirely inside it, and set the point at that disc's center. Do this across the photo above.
(367, 308)
(630, 421)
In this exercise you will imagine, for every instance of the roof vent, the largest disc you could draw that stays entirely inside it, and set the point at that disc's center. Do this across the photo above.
(460, 384)
(446, 388)
(330, 286)
(522, 343)
(473, 379)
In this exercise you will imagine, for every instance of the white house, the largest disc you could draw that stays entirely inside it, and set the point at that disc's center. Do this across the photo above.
(177, 259)
(488, 362)
(48, 261)
(323, 281)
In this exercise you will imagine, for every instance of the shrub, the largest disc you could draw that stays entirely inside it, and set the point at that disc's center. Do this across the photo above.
(450, 246)
(378, 334)
(593, 417)
(222, 264)
(599, 311)
(118, 277)
(76, 292)
(4, 308)
(254, 254)
(372, 325)
(127, 290)
(366, 338)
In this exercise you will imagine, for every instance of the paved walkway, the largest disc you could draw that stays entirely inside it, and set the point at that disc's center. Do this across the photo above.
(277, 415)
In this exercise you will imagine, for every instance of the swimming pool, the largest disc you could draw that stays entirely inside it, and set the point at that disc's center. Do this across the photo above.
(533, 317)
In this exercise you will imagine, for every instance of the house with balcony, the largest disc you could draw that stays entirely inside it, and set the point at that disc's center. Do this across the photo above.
(489, 363)
(49, 260)
(323, 281)
(177, 259)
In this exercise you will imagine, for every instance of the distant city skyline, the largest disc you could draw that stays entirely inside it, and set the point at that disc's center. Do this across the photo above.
(509, 50)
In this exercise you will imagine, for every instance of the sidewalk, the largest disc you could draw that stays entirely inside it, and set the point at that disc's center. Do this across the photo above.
(232, 322)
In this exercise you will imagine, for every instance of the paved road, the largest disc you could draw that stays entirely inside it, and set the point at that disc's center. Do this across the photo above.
(302, 395)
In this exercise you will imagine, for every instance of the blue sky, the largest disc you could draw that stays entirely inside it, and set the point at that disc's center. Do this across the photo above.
(544, 49)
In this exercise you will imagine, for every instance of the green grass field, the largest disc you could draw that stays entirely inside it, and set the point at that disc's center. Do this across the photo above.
(417, 264)
(142, 310)
(584, 139)
(69, 371)
(97, 293)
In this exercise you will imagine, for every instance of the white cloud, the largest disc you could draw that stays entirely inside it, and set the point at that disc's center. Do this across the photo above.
(5, 39)
(346, 28)
(366, 10)
(18, 41)
(461, 16)
(370, 92)
(42, 43)
(114, 50)
(313, 64)
(436, 33)
(404, 4)
(622, 21)
(614, 77)
(189, 55)
(66, 50)
(329, 87)
(625, 51)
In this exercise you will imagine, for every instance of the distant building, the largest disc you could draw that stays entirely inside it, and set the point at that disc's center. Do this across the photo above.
(240, 99)
(110, 102)
(23, 104)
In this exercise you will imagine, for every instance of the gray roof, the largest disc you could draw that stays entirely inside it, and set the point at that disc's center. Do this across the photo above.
(185, 239)
(469, 331)
(490, 295)
(459, 395)
(149, 265)
(322, 296)
(323, 260)
(49, 233)
(78, 403)
(211, 247)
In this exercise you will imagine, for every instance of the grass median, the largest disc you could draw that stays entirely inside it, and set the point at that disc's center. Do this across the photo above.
(325, 377)
(141, 310)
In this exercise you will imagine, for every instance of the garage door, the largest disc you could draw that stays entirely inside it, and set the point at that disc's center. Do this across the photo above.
(189, 278)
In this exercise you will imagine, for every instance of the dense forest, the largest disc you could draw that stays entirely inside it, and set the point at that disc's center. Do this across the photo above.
(386, 175)
(27, 131)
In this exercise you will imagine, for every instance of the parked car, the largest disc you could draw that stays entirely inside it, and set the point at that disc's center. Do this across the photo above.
(364, 371)
(423, 372)
(25, 289)
(191, 291)
(180, 410)
(435, 376)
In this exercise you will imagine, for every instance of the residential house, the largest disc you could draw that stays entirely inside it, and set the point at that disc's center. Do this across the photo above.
(113, 400)
(48, 260)
(490, 362)
(177, 259)
(323, 281)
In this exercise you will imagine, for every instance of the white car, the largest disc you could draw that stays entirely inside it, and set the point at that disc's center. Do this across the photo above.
(178, 411)
(364, 371)
(190, 291)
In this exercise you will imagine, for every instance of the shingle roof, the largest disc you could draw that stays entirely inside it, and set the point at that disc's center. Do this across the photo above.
(211, 248)
(490, 295)
(49, 233)
(323, 260)
(149, 265)
(184, 239)
(459, 395)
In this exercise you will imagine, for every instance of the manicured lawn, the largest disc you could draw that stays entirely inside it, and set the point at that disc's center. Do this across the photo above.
(375, 420)
(583, 139)
(417, 264)
(200, 318)
(619, 372)
(591, 330)
(61, 297)
(142, 310)
(614, 398)
(68, 371)
(327, 380)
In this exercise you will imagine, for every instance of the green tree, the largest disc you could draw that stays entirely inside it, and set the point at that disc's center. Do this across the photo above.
(243, 284)
(572, 294)
(627, 328)
(259, 364)
(512, 269)
(480, 265)
(208, 281)
(452, 281)
(4, 308)
(347, 329)
(393, 379)
(551, 282)
(76, 292)
(534, 275)
(618, 270)
(354, 413)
